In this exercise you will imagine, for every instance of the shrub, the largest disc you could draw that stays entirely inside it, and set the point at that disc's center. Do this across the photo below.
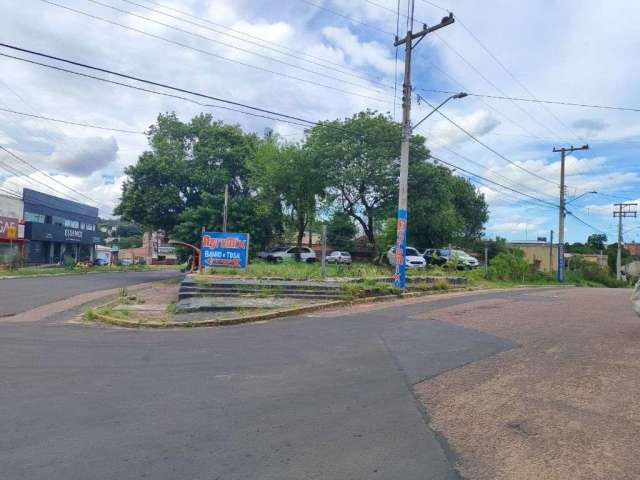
(15, 261)
(510, 265)
(69, 263)
(583, 271)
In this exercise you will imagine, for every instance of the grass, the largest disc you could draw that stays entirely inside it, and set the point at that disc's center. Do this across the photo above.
(57, 270)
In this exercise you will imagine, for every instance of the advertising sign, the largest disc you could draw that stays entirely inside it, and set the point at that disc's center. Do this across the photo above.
(401, 249)
(221, 249)
(10, 229)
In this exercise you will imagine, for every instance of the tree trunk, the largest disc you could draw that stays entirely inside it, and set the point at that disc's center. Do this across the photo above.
(302, 225)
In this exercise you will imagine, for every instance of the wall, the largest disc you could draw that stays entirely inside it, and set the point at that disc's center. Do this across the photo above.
(11, 207)
(538, 254)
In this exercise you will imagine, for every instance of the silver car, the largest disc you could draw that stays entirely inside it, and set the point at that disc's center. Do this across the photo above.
(338, 257)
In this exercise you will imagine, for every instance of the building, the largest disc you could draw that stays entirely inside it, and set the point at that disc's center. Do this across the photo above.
(155, 250)
(542, 256)
(634, 248)
(57, 228)
(11, 228)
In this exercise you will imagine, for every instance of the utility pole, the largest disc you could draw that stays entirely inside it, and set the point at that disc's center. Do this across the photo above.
(551, 251)
(401, 229)
(624, 210)
(226, 206)
(563, 152)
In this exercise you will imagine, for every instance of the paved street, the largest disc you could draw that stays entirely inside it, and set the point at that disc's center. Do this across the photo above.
(20, 294)
(325, 396)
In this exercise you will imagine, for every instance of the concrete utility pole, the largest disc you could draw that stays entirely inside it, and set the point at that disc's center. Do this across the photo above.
(551, 251)
(226, 206)
(401, 229)
(563, 152)
(624, 210)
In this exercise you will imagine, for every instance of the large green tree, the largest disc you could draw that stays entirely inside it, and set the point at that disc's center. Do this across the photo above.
(341, 231)
(361, 154)
(178, 184)
(291, 176)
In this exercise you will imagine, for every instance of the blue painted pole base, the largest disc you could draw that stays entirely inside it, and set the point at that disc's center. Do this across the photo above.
(399, 278)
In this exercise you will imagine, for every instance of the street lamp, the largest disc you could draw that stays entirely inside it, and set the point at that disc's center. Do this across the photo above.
(452, 97)
(401, 228)
(580, 196)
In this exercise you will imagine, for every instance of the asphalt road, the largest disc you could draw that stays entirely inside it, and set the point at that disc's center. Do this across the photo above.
(21, 294)
(326, 396)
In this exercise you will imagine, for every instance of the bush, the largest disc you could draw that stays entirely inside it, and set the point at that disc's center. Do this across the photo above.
(583, 271)
(69, 263)
(15, 261)
(510, 265)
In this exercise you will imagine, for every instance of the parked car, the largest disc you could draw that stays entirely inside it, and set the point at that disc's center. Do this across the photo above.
(265, 254)
(339, 257)
(100, 262)
(412, 260)
(433, 256)
(305, 253)
(463, 258)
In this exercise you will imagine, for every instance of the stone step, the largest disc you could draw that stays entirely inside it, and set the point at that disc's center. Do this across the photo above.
(266, 291)
(310, 296)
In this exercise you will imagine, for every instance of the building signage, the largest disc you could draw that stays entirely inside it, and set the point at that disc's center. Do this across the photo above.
(220, 249)
(72, 234)
(10, 229)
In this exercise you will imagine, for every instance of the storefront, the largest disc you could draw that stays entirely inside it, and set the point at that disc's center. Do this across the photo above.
(57, 228)
(11, 229)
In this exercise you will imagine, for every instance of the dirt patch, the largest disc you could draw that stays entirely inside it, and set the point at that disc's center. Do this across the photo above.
(562, 406)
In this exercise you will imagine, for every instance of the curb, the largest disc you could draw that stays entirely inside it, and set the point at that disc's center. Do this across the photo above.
(63, 274)
(119, 322)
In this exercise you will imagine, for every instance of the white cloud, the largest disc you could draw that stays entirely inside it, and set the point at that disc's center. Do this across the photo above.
(361, 54)
(444, 133)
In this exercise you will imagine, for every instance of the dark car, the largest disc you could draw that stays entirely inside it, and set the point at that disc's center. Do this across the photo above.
(100, 262)
(435, 256)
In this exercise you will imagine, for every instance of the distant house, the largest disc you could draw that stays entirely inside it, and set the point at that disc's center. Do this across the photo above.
(634, 248)
(542, 256)
(155, 250)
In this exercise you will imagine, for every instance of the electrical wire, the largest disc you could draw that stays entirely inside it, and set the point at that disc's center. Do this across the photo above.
(347, 17)
(211, 54)
(533, 197)
(492, 150)
(585, 223)
(228, 45)
(261, 43)
(68, 122)
(535, 100)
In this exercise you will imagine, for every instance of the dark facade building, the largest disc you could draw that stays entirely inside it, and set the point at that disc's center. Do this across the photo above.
(57, 228)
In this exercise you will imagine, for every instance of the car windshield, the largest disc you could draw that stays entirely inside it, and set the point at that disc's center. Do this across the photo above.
(412, 251)
(460, 253)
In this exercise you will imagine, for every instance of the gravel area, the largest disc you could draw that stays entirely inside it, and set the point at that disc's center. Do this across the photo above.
(564, 405)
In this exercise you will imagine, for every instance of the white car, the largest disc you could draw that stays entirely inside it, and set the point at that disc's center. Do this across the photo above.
(265, 254)
(305, 253)
(463, 258)
(412, 260)
(339, 257)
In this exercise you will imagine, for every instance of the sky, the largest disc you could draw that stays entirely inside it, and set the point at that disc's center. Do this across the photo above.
(328, 59)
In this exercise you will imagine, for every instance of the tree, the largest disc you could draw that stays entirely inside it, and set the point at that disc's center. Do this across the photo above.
(597, 241)
(341, 231)
(178, 185)
(290, 175)
(361, 156)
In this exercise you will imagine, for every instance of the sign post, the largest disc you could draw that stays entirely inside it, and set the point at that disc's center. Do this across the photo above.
(223, 249)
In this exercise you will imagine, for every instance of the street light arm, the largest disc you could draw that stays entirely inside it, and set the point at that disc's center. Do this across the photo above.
(457, 95)
(580, 196)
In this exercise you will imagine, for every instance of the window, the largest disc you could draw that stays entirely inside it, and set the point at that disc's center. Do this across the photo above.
(34, 217)
(90, 226)
(71, 223)
(58, 221)
(294, 250)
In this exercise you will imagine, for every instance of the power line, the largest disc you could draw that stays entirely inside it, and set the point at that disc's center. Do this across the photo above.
(533, 197)
(137, 79)
(227, 45)
(586, 224)
(211, 54)
(68, 122)
(242, 36)
(535, 100)
(10, 192)
(492, 150)
(347, 17)
(22, 160)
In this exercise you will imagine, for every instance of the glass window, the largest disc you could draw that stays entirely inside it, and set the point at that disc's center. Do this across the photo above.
(34, 217)
(58, 221)
(71, 223)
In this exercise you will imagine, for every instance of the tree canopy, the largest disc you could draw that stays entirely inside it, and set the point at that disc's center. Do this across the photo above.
(349, 167)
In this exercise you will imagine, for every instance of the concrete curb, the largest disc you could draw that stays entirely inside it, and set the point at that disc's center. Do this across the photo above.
(119, 322)
(62, 274)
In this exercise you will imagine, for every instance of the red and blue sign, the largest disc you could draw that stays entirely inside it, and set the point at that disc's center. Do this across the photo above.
(222, 249)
